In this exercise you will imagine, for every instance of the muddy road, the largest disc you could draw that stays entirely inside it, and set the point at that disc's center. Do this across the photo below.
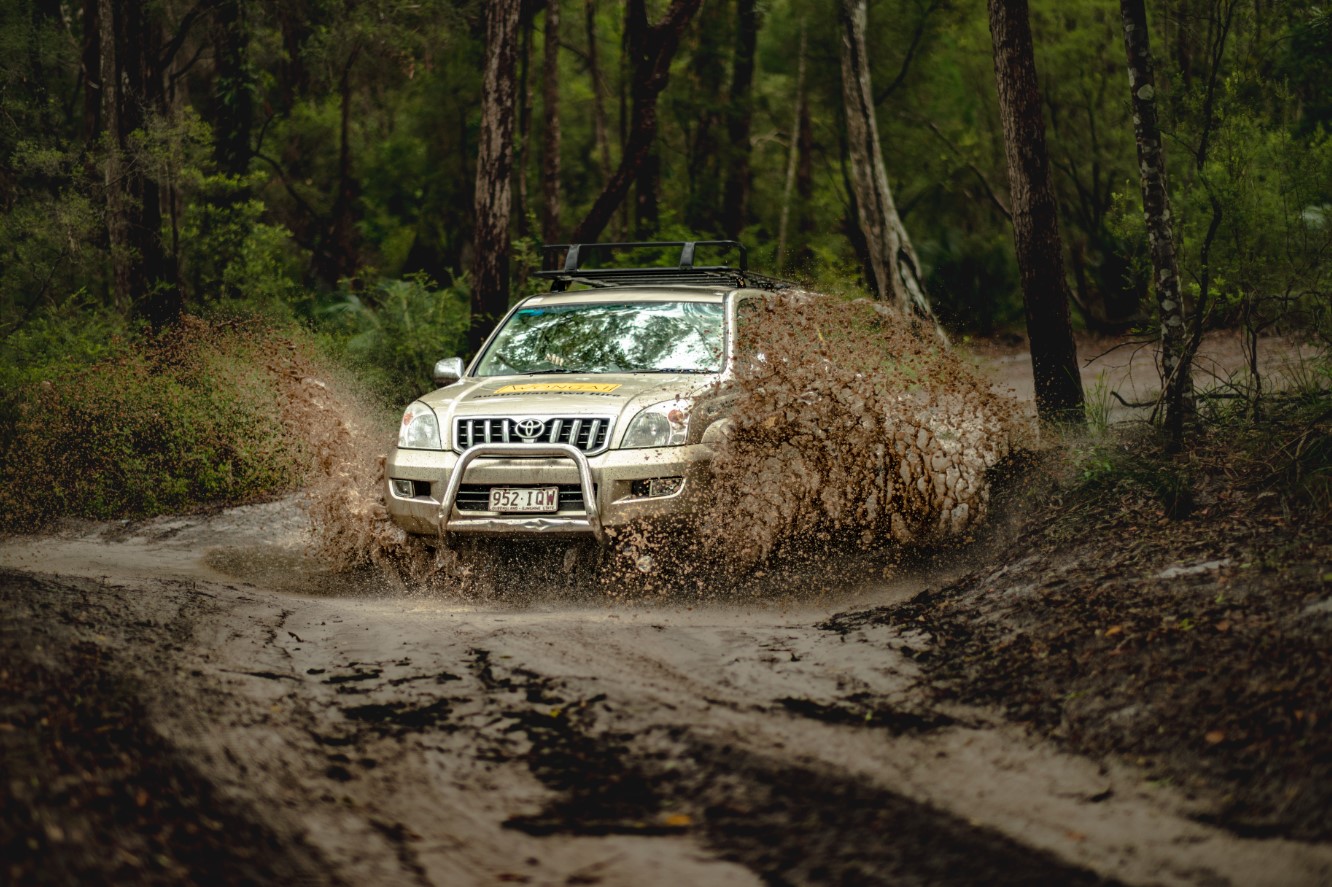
(328, 729)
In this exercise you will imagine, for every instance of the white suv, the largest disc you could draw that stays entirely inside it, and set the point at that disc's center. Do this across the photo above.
(584, 409)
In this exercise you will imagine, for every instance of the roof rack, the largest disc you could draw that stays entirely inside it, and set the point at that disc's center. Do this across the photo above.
(685, 272)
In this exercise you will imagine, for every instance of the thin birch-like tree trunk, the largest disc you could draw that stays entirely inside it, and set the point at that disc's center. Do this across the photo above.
(1175, 375)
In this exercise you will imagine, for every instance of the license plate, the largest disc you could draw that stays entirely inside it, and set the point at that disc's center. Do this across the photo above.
(524, 498)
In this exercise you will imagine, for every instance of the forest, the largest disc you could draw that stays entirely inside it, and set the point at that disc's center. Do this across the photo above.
(315, 164)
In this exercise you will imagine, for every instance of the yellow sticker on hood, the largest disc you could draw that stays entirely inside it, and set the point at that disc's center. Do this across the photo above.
(559, 387)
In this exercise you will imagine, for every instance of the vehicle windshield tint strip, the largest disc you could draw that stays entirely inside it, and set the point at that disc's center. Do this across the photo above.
(588, 433)
(635, 337)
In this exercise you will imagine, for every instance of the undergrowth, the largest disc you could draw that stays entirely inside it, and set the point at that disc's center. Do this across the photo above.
(119, 425)
(1286, 452)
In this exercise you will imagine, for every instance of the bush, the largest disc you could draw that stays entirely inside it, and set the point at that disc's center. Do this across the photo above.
(397, 332)
(191, 418)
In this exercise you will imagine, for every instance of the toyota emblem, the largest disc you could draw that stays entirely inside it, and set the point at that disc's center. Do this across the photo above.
(529, 429)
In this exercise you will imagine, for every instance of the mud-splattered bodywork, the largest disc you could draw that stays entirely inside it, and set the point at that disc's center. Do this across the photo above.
(496, 427)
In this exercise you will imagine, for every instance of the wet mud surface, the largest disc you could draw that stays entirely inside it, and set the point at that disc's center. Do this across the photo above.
(175, 711)
(1131, 693)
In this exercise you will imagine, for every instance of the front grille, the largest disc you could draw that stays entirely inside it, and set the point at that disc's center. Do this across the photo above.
(476, 497)
(589, 434)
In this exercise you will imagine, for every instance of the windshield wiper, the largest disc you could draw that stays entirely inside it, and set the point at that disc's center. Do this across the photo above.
(674, 370)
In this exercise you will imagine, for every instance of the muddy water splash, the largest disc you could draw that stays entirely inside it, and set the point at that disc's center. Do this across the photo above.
(847, 428)
(848, 421)
(347, 443)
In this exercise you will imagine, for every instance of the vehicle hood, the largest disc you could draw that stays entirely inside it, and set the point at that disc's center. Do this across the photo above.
(613, 395)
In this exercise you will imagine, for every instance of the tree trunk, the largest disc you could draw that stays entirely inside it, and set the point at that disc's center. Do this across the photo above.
(524, 144)
(651, 50)
(490, 267)
(1036, 237)
(93, 94)
(793, 151)
(550, 148)
(601, 134)
(297, 22)
(735, 199)
(338, 256)
(233, 89)
(647, 210)
(896, 270)
(1177, 380)
(117, 209)
(143, 276)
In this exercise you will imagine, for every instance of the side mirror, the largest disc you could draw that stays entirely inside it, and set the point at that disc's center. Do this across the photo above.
(448, 371)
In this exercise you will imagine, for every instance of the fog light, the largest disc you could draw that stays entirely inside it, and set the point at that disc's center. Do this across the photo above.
(402, 488)
(657, 486)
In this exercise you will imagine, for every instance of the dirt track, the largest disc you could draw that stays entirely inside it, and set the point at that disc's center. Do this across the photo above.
(373, 736)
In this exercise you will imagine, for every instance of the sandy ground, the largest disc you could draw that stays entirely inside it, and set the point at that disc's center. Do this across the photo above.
(1122, 375)
(409, 739)
(387, 737)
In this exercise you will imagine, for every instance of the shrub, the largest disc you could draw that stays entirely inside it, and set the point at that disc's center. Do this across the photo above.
(189, 419)
(397, 332)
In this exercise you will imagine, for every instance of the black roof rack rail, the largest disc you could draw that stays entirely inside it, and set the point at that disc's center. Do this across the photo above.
(562, 274)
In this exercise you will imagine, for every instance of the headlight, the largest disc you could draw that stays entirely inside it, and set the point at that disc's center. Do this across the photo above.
(420, 429)
(663, 424)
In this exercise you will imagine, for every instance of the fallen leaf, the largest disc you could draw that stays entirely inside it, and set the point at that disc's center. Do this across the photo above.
(1114, 630)
(677, 820)
(1223, 625)
(1214, 737)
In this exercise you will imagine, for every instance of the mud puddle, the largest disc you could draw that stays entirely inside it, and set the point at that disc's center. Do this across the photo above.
(410, 738)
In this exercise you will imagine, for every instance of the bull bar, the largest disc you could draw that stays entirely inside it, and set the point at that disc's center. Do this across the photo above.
(591, 522)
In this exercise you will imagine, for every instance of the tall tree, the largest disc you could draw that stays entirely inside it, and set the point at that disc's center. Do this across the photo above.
(650, 48)
(892, 258)
(494, 168)
(233, 88)
(601, 132)
(735, 193)
(132, 56)
(1175, 373)
(550, 145)
(793, 149)
(1039, 248)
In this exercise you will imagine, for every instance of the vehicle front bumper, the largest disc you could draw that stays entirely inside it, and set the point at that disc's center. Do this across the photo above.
(612, 475)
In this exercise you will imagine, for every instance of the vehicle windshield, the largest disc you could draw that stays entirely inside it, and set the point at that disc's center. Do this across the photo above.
(635, 337)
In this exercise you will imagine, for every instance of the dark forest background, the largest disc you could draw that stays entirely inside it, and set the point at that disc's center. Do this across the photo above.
(314, 162)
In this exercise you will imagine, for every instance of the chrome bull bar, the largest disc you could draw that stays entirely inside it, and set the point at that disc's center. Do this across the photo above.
(538, 523)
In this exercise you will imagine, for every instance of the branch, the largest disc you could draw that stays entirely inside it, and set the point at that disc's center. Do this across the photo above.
(975, 170)
(286, 183)
(916, 37)
(201, 9)
(190, 64)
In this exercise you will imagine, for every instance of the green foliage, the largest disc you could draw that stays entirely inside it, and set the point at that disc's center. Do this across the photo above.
(229, 251)
(146, 426)
(362, 136)
(399, 330)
